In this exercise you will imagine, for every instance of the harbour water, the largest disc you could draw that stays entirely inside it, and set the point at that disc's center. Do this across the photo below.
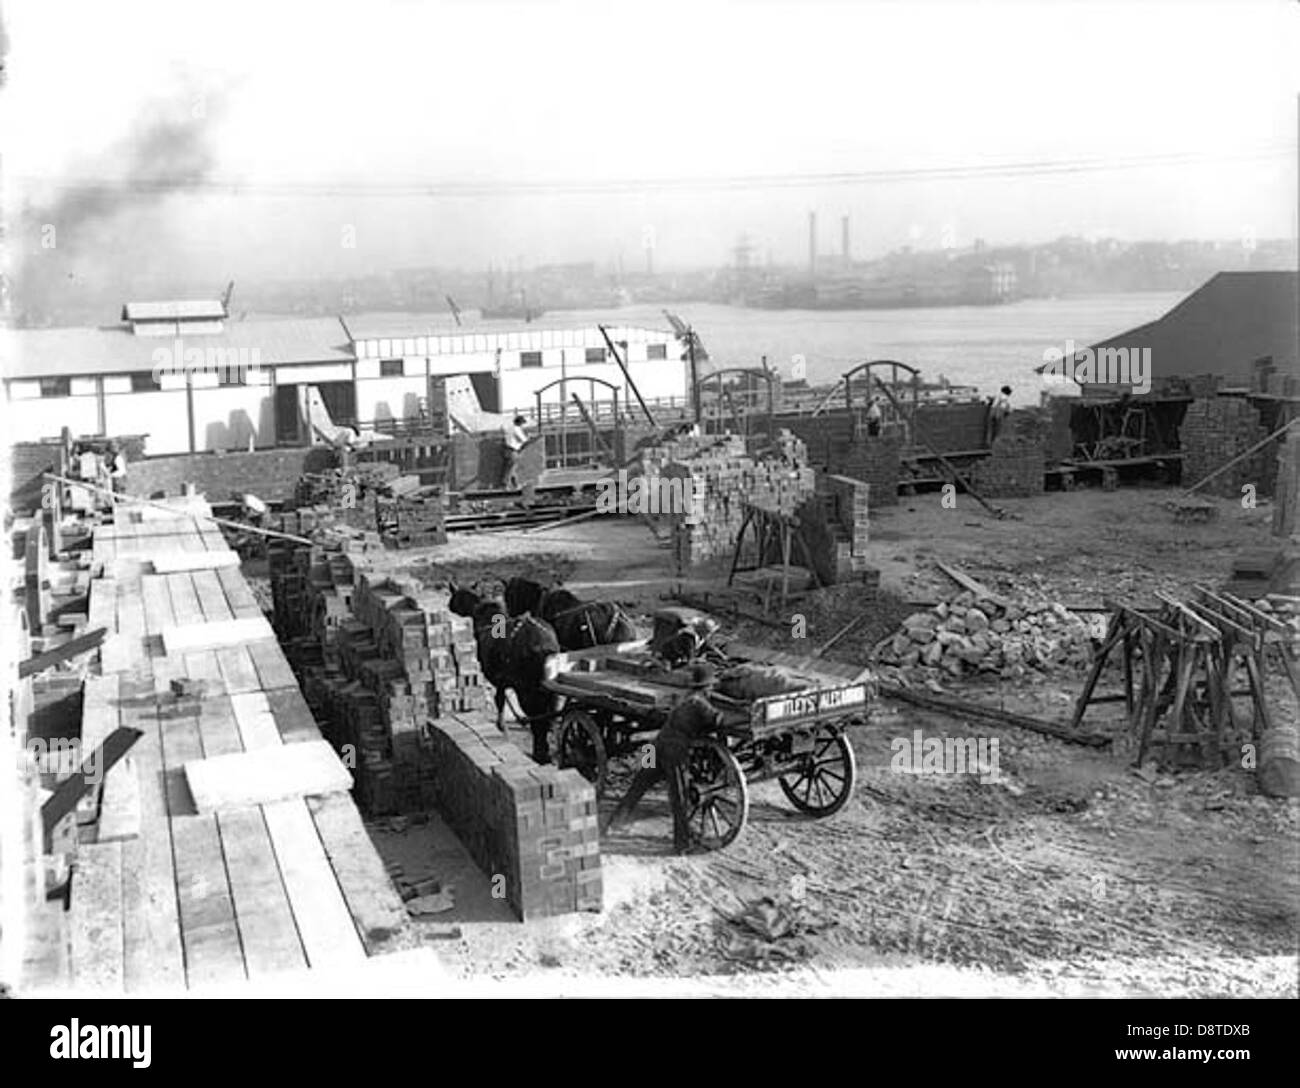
(984, 346)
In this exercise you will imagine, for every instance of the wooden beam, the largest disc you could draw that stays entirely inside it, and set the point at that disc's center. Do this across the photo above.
(980, 590)
(963, 708)
(79, 645)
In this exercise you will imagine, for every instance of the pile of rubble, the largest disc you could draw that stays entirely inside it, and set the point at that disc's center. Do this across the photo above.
(970, 635)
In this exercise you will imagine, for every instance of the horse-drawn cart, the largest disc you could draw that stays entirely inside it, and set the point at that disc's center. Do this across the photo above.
(615, 698)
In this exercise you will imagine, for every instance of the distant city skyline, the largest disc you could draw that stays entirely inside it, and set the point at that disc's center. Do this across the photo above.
(375, 136)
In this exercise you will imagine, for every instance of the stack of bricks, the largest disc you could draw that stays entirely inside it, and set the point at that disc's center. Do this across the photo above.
(1213, 432)
(847, 503)
(1017, 464)
(377, 659)
(719, 477)
(534, 826)
(413, 522)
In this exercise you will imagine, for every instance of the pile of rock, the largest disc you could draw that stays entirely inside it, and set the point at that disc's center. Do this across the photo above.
(970, 635)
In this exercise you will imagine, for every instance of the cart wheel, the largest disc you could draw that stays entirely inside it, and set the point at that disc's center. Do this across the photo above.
(717, 798)
(824, 782)
(579, 745)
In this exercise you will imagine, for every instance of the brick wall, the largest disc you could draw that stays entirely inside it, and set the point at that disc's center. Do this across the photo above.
(875, 461)
(28, 460)
(1216, 430)
(846, 502)
(1017, 465)
(271, 475)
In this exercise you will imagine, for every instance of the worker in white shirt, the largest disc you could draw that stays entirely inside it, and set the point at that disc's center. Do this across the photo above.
(874, 417)
(516, 438)
(115, 465)
(999, 412)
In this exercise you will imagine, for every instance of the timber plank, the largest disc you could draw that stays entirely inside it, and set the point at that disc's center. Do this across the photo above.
(197, 635)
(209, 934)
(218, 727)
(257, 724)
(325, 925)
(237, 669)
(293, 717)
(185, 602)
(375, 906)
(240, 596)
(203, 665)
(174, 562)
(96, 919)
(220, 783)
(181, 742)
(212, 598)
(150, 912)
(266, 926)
(273, 669)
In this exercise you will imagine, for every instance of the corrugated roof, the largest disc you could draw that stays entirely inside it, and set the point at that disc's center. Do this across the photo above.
(39, 353)
(1223, 327)
(173, 311)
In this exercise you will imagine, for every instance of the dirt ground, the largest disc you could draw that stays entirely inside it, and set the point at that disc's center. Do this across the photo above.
(1073, 874)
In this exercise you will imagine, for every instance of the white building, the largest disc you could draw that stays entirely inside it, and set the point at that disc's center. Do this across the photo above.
(190, 379)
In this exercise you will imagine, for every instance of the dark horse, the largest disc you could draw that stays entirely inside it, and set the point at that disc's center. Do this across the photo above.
(578, 624)
(512, 654)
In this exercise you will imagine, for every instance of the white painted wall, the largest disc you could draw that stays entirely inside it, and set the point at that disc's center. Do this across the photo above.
(389, 398)
(164, 417)
(32, 420)
(226, 417)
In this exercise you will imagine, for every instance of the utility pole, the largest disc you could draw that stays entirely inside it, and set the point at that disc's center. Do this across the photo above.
(695, 378)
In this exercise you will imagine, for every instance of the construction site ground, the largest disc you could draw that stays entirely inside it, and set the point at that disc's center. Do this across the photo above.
(1075, 874)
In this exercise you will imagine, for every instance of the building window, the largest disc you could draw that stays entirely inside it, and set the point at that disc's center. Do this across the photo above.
(56, 387)
(390, 368)
(656, 351)
(595, 355)
(143, 383)
(530, 358)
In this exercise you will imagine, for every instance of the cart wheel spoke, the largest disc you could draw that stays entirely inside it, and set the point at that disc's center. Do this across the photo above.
(721, 794)
(824, 780)
(581, 746)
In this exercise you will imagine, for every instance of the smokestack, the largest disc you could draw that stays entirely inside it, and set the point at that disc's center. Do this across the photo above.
(844, 239)
(812, 243)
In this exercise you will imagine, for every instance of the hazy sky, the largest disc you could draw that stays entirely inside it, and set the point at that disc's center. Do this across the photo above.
(306, 117)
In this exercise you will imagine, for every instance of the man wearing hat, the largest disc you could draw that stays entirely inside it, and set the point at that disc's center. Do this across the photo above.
(691, 719)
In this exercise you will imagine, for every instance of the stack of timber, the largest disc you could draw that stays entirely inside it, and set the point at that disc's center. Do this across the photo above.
(248, 876)
(1183, 669)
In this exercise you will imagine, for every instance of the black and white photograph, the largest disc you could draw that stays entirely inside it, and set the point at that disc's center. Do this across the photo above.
(650, 499)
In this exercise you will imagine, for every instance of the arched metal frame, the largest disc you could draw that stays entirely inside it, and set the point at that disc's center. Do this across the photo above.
(567, 410)
(724, 403)
(869, 371)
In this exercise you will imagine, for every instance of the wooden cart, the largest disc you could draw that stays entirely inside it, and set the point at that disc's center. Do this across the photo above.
(617, 698)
